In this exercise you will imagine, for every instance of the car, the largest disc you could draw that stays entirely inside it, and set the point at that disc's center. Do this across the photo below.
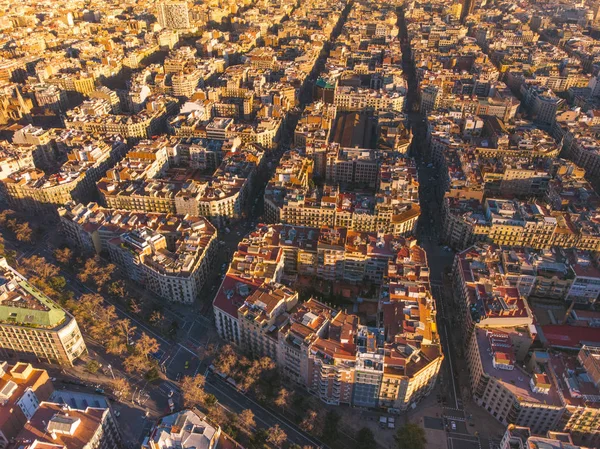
(117, 413)
(99, 391)
(187, 364)
(171, 393)
(171, 404)
(383, 422)
(453, 425)
(157, 355)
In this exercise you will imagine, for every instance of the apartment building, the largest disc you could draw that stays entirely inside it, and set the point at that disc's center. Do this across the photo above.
(170, 255)
(173, 15)
(34, 191)
(186, 429)
(179, 187)
(146, 123)
(290, 199)
(258, 318)
(580, 393)
(324, 350)
(516, 223)
(483, 295)
(23, 388)
(33, 326)
(517, 437)
(509, 393)
(70, 428)
(348, 98)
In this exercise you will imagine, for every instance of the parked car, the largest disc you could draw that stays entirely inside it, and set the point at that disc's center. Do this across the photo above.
(383, 422)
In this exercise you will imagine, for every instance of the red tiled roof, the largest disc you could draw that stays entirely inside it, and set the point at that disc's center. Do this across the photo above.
(570, 336)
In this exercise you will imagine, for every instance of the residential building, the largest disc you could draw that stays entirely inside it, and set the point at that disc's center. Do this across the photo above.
(32, 325)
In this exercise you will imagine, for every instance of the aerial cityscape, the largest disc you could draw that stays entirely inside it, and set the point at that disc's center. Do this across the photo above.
(300, 224)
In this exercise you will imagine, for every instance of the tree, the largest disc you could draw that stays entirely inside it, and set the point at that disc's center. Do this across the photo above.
(85, 309)
(246, 419)
(101, 329)
(40, 267)
(23, 232)
(121, 387)
(410, 436)
(210, 400)
(115, 344)
(134, 306)
(259, 439)
(5, 215)
(283, 398)
(276, 436)
(97, 272)
(226, 360)
(365, 439)
(146, 345)
(156, 318)
(57, 283)
(152, 374)
(218, 415)
(308, 423)
(117, 289)
(192, 389)
(92, 366)
(133, 364)
(125, 330)
(63, 256)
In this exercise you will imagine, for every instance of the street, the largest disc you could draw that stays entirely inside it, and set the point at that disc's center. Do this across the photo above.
(440, 259)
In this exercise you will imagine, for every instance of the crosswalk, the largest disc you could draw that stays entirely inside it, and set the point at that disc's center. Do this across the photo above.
(455, 418)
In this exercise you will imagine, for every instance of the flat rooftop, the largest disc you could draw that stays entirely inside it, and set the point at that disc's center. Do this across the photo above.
(515, 380)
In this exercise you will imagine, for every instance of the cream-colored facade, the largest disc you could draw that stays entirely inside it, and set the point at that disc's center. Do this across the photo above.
(34, 327)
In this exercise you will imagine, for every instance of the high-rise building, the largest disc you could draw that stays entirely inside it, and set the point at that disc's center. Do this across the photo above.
(173, 15)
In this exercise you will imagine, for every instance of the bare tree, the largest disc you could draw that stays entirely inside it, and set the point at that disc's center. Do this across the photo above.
(39, 267)
(192, 389)
(121, 387)
(125, 329)
(156, 318)
(85, 308)
(135, 364)
(246, 419)
(64, 255)
(97, 272)
(117, 289)
(226, 360)
(283, 398)
(23, 232)
(146, 345)
(5, 215)
(308, 423)
(277, 436)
